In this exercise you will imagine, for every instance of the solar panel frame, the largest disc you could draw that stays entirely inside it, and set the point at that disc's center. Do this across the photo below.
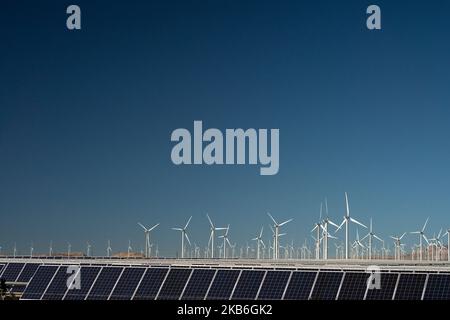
(88, 276)
(386, 292)
(247, 287)
(150, 283)
(354, 286)
(223, 284)
(198, 285)
(37, 286)
(327, 285)
(174, 284)
(438, 287)
(410, 286)
(105, 283)
(274, 285)
(127, 284)
(300, 285)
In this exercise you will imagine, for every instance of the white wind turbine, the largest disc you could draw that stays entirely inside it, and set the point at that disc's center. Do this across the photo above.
(357, 244)
(31, 249)
(397, 242)
(277, 234)
(326, 223)
(15, 250)
(88, 249)
(346, 221)
(225, 241)
(371, 235)
(50, 249)
(447, 233)
(69, 247)
(183, 235)
(147, 238)
(212, 235)
(259, 241)
(317, 227)
(421, 234)
(108, 249)
(129, 249)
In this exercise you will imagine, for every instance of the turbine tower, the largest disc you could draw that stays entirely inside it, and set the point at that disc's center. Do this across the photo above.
(421, 234)
(129, 249)
(88, 249)
(183, 235)
(277, 234)
(147, 238)
(327, 222)
(346, 221)
(212, 235)
(225, 241)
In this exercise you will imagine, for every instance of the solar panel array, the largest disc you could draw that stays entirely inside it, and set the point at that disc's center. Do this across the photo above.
(103, 282)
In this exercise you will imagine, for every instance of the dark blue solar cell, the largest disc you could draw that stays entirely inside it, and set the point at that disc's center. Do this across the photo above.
(127, 284)
(274, 285)
(248, 285)
(354, 286)
(12, 271)
(58, 286)
(410, 286)
(87, 277)
(150, 284)
(327, 286)
(387, 287)
(198, 284)
(300, 285)
(105, 283)
(223, 285)
(174, 284)
(28, 272)
(39, 283)
(438, 287)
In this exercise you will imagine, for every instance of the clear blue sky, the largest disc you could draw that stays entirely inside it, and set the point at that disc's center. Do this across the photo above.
(86, 117)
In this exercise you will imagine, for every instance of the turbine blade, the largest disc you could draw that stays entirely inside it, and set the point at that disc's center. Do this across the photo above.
(415, 232)
(142, 226)
(333, 224)
(188, 222)
(287, 221)
(340, 226)
(377, 237)
(153, 227)
(347, 206)
(210, 222)
(262, 229)
(187, 238)
(425, 225)
(272, 218)
(357, 222)
(177, 229)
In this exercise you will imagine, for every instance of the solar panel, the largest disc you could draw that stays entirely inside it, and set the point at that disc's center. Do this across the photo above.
(28, 272)
(410, 286)
(105, 283)
(387, 287)
(354, 286)
(150, 284)
(274, 285)
(1, 268)
(300, 285)
(127, 284)
(438, 287)
(39, 283)
(87, 278)
(223, 285)
(174, 284)
(327, 286)
(198, 284)
(12, 271)
(248, 285)
(58, 286)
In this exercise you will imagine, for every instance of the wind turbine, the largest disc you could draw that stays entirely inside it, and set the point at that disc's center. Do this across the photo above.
(147, 238)
(259, 241)
(31, 249)
(50, 249)
(212, 235)
(346, 221)
(88, 249)
(317, 227)
(129, 249)
(183, 235)
(357, 244)
(327, 222)
(421, 234)
(225, 241)
(397, 242)
(277, 234)
(108, 249)
(15, 250)
(69, 247)
(371, 235)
